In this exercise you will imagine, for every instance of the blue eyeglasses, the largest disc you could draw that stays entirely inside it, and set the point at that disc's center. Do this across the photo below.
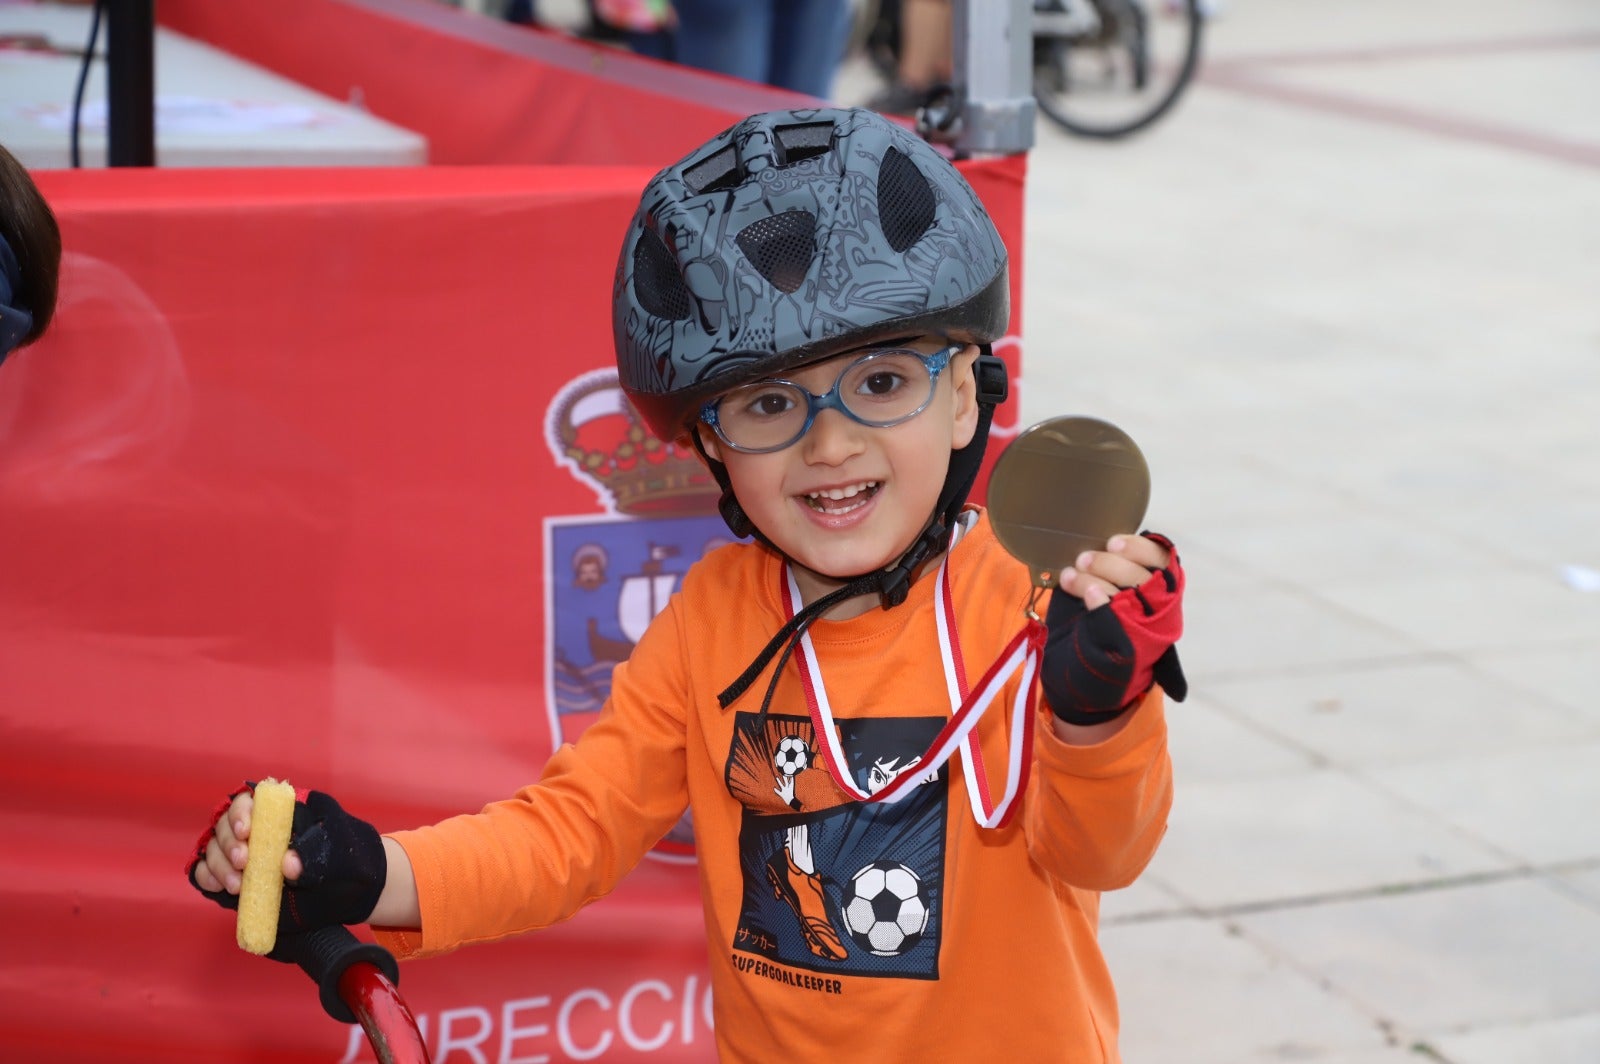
(882, 388)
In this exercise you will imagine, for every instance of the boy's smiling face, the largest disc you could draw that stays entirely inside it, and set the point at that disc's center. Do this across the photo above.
(848, 498)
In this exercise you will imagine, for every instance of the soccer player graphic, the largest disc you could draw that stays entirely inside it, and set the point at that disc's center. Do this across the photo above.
(816, 861)
(793, 872)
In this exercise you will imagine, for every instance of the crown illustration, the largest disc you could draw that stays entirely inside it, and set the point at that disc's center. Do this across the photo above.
(595, 431)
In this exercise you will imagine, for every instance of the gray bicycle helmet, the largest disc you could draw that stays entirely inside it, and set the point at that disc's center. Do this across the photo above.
(787, 239)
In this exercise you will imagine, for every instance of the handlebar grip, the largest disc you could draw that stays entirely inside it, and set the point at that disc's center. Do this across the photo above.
(325, 954)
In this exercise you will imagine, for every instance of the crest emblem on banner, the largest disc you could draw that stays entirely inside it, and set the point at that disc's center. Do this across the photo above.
(607, 574)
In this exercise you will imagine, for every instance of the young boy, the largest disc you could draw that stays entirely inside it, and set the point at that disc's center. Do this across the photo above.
(810, 298)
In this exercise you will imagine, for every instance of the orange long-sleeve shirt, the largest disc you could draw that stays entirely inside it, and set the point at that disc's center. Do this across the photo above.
(838, 930)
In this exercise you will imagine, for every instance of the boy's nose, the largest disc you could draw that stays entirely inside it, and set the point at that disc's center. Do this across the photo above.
(833, 438)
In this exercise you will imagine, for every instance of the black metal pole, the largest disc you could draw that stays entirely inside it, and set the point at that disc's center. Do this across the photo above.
(130, 82)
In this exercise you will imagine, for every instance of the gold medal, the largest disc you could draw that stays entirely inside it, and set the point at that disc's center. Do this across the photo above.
(1065, 486)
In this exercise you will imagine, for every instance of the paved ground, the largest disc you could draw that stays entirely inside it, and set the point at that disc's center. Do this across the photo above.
(1348, 300)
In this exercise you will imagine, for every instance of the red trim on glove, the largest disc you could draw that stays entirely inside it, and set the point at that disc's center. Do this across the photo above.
(1152, 616)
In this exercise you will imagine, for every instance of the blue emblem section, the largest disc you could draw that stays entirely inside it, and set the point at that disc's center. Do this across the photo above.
(607, 578)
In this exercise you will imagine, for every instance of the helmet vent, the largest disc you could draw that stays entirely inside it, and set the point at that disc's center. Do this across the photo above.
(905, 200)
(798, 143)
(781, 247)
(656, 280)
(718, 172)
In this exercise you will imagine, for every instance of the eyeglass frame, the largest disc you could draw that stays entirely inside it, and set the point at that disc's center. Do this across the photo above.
(935, 363)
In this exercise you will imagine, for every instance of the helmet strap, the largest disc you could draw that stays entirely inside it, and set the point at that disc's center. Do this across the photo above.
(733, 514)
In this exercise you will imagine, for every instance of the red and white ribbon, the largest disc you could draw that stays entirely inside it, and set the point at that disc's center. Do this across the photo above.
(967, 708)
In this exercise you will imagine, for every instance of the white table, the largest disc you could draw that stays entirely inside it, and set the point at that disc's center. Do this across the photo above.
(212, 109)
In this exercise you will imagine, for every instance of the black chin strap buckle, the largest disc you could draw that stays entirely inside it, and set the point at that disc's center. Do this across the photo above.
(896, 586)
(994, 385)
(896, 582)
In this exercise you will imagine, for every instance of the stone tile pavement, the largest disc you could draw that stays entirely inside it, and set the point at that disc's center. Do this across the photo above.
(1348, 300)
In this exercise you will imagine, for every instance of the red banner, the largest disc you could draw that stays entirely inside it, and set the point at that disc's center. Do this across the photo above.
(318, 476)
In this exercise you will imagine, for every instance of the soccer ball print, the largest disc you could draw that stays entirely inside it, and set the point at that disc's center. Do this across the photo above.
(792, 755)
(885, 908)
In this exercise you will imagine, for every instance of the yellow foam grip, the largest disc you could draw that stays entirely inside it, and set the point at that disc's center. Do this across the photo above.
(261, 886)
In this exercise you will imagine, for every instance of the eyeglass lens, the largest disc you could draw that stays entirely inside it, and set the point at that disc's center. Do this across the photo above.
(880, 389)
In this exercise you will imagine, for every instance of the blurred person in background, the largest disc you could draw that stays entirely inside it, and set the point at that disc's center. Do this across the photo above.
(915, 36)
(30, 257)
(792, 44)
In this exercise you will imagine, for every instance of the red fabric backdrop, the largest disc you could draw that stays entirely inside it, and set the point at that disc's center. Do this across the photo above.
(278, 496)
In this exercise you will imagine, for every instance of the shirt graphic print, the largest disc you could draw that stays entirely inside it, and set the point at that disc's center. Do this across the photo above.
(833, 885)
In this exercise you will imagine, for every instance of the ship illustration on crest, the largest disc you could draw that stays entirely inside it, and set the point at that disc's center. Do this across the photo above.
(641, 596)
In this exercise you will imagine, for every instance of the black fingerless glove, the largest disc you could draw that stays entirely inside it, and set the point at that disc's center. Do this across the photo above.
(1098, 663)
(344, 866)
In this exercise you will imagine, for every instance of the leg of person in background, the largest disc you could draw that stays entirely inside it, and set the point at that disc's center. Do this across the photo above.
(807, 43)
(926, 56)
(661, 44)
(521, 12)
(727, 36)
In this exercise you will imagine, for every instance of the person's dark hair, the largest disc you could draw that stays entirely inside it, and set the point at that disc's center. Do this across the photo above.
(30, 257)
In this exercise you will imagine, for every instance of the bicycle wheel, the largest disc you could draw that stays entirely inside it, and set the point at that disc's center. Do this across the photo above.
(1108, 68)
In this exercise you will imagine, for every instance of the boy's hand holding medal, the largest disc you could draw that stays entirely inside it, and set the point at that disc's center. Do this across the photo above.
(1063, 499)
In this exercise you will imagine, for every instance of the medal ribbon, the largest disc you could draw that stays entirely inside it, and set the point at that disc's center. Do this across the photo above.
(1022, 653)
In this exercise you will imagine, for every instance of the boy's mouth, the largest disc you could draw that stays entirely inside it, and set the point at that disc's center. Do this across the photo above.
(841, 500)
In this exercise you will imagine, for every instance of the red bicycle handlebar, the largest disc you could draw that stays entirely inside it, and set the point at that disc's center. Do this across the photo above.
(383, 1014)
(359, 983)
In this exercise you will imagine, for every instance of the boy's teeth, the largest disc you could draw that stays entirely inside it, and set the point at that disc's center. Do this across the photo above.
(827, 500)
(842, 493)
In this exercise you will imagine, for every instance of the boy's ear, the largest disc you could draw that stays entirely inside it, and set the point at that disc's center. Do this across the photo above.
(710, 446)
(966, 397)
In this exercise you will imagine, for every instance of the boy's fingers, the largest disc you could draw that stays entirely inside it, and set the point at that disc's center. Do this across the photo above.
(229, 844)
(1095, 591)
(1115, 571)
(292, 866)
(221, 869)
(223, 838)
(1140, 550)
(203, 877)
(238, 817)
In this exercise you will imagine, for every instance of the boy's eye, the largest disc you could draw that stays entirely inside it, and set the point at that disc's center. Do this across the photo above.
(769, 403)
(881, 379)
(880, 384)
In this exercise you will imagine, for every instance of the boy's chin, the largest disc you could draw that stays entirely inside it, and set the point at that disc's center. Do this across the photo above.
(842, 571)
(831, 574)
(845, 562)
